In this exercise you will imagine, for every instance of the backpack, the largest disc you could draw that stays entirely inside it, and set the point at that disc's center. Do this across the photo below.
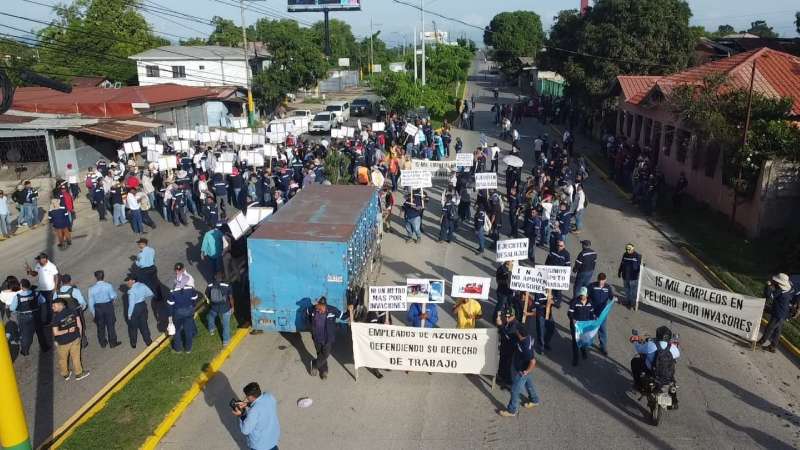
(452, 213)
(216, 294)
(72, 302)
(664, 365)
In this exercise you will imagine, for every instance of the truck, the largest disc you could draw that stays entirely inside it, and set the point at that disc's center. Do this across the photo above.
(324, 242)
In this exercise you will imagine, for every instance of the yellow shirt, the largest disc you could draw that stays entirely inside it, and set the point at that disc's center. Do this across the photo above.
(467, 314)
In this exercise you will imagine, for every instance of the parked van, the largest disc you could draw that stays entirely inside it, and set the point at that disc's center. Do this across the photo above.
(341, 109)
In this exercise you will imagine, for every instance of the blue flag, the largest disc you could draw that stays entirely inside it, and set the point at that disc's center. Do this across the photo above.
(586, 330)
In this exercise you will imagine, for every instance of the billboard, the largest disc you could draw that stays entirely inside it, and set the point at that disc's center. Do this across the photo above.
(321, 5)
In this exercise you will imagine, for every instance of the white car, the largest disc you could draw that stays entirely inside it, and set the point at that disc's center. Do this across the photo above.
(300, 113)
(322, 122)
(341, 109)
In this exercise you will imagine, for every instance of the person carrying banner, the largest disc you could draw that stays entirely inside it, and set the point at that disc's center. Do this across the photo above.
(600, 293)
(522, 364)
(580, 309)
(418, 312)
(780, 293)
(467, 311)
(628, 270)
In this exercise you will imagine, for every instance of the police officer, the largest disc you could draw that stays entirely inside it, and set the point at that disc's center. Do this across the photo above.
(26, 305)
(178, 205)
(180, 306)
(628, 270)
(138, 295)
(99, 200)
(558, 256)
(75, 301)
(101, 305)
(146, 269)
(584, 266)
(579, 310)
(600, 293)
(533, 226)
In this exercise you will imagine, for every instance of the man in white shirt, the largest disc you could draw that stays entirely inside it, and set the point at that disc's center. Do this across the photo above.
(547, 207)
(46, 282)
(580, 203)
(494, 151)
(136, 211)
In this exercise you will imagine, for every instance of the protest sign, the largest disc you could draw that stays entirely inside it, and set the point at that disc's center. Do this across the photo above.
(512, 250)
(416, 179)
(378, 126)
(486, 180)
(529, 279)
(443, 350)
(351, 132)
(159, 148)
(238, 225)
(148, 141)
(185, 134)
(256, 214)
(557, 277)
(152, 155)
(728, 311)
(239, 123)
(465, 159)
(224, 167)
(470, 287)
(387, 298)
(201, 129)
(171, 132)
(132, 147)
(425, 290)
(180, 145)
(336, 133)
(167, 163)
(270, 150)
(411, 130)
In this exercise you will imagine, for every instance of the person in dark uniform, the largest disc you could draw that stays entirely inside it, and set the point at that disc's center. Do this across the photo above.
(26, 307)
(558, 257)
(629, 267)
(322, 318)
(584, 266)
(98, 195)
(507, 326)
(600, 293)
(503, 278)
(101, 306)
(180, 307)
(580, 309)
(179, 206)
(533, 226)
(449, 217)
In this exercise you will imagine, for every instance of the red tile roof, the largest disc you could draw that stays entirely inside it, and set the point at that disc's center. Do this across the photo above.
(101, 102)
(635, 87)
(777, 75)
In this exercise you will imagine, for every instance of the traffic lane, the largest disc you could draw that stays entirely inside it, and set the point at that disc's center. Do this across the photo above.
(49, 401)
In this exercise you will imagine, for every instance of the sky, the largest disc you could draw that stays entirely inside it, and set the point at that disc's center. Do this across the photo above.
(396, 21)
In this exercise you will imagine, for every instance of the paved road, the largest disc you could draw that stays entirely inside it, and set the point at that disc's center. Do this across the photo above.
(731, 397)
(48, 399)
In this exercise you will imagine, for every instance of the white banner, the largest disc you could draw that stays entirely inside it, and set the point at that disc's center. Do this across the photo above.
(132, 147)
(470, 287)
(557, 277)
(529, 279)
(416, 179)
(425, 290)
(148, 141)
(465, 159)
(512, 250)
(728, 311)
(433, 166)
(378, 126)
(486, 180)
(387, 298)
(425, 349)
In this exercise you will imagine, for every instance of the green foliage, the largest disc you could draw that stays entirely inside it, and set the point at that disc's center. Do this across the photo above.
(226, 33)
(193, 41)
(646, 37)
(447, 64)
(469, 44)
(722, 31)
(514, 35)
(336, 165)
(761, 29)
(402, 94)
(95, 37)
(380, 54)
(343, 43)
(14, 56)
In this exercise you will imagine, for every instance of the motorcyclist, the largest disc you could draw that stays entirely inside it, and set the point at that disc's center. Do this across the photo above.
(642, 363)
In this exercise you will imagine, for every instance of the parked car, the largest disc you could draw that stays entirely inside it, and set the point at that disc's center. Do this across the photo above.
(301, 113)
(340, 109)
(381, 109)
(322, 122)
(420, 113)
(361, 107)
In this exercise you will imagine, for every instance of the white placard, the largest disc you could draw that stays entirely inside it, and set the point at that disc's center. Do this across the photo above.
(270, 150)
(425, 290)
(350, 131)
(238, 225)
(336, 133)
(167, 163)
(512, 250)
(227, 157)
(247, 140)
(180, 146)
(256, 214)
(728, 311)
(224, 167)
(433, 166)
(411, 130)
(185, 134)
(171, 132)
(416, 179)
(387, 298)
(528, 279)
(132, 147)
(378, 126)
(465, 159)
(201, 129)
(148, 141)
(239, 123)
(153, 155)
(344, 62)
(159, 148)
(425, 350)
(204, 137)
(358, 123)
(486, 180)
(557, 277)
(470, 287)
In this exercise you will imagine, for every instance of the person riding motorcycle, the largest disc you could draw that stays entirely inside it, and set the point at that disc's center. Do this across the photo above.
(646, 349)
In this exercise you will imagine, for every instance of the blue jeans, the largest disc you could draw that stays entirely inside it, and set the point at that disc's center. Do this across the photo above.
(579, 219)
(119, 214)
(412, 227)
(545, 232)
(602, 335)
(224, 313)
(29, 211)
(518, 383)
(136, 221)
(190, 204)
(631, 287)
(481, 239)
(581, 279)
(4, 226)
(446, 231)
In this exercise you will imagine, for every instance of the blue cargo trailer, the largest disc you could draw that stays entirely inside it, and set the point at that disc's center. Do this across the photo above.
(323, 242)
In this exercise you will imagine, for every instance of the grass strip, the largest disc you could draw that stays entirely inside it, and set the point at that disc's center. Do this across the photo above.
(132, 414)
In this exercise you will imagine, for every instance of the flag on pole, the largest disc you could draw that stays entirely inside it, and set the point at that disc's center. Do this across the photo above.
(586, 330)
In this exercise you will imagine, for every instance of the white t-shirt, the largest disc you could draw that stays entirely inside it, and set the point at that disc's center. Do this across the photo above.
(46, 278)
(7, 297)
(132, 202)
(495, 150)
(546, 208)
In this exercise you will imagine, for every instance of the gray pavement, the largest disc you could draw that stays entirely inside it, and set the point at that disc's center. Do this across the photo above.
(730, 397)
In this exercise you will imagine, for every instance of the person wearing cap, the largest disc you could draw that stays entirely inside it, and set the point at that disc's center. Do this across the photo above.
(70, 293)
(506, 321)
(628, 270)
(211, 248)
(25, 304)
(138, 295)
(782, 296)
(180, 308)
(182, 277)
(584, 266)
(522, 364)
(559, 256)
(322, 319)
(98, 196)
(46, 274)
(579, 310)
(101, 306)
(67, 331)
(600, 293)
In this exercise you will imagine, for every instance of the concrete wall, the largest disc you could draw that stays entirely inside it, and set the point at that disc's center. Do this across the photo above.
(198, 72)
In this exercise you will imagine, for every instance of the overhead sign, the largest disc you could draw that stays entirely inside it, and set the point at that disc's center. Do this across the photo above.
(728, 311)
(529, 279)
(486, 180)
(344, 62)
(470, 287)
(322, 5)
(387, 298)
(444, 350)
(416, 179)
(512, 250)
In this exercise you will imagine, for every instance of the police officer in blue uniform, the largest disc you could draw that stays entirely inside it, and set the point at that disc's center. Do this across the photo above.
(99, 200)
(600, 293)
(26, 306)
(180, 304)
(584, 266)
(581, 309)
(179, 206)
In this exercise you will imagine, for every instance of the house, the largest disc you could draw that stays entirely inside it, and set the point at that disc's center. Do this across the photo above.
(202, 65)
(645, 118)
(708, 50)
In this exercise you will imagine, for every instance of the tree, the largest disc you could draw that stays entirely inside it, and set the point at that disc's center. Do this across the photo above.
(761, 29)
(226, 33)
(514, 35)
(402, 94)
(95, 37)
(14, 56)
(343, 43)
(723, 30)
(193, 41)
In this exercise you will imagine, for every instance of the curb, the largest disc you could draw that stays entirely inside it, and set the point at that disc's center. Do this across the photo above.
(199, 384)
(707, 272)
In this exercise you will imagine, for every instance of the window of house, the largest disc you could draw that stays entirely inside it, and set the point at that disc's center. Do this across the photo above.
(202, 67)
(178, 71)
(152, 71)
(669, 138)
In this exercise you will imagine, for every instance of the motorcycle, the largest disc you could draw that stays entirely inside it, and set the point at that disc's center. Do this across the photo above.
(660, 396)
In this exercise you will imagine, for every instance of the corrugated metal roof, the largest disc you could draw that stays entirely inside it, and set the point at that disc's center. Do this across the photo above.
(318, 213)
(204, 52)
(114, 129)
(120, 130)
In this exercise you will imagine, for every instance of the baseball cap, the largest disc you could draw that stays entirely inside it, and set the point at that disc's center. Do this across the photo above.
(583, 291)
(629, 246)
(40, 256)
(130, 278)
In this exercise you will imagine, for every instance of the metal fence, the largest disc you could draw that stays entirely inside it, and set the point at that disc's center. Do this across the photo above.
(339, 81)
(25, 157)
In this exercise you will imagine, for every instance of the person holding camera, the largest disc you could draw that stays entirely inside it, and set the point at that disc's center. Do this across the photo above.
(258, 415)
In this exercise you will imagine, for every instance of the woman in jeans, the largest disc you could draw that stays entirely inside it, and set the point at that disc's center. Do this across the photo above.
(60, 220)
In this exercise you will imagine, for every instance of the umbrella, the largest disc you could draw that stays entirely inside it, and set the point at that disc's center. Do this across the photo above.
(513, 161)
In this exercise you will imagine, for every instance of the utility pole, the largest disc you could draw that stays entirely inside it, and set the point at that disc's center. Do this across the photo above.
(371, 62)
(422, 19)
(415, 55)
(251, 116)
(744, 144)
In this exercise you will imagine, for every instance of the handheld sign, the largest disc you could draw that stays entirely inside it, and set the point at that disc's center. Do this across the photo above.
(411, 130)
(486, 180)
(470, 287)
(148, 141)
(387, 298)
(465, 160)
(557, 277)
(512, 250)
(378, 126)
(256, 214)
(529, 279)
(416, 179)
(132, 147)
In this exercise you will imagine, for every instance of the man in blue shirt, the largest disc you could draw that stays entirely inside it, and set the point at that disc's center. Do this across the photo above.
(138, 295)
(180, 304)
(322, 318)
(416, 315)
(146, 256)
(101, 305)
(211, 248)
(600, 293)
(259, 418)
(522, 364)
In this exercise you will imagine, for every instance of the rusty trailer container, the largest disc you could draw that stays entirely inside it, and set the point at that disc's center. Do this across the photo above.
(322, 242)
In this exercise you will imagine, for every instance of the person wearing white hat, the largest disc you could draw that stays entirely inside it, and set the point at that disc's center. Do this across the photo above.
(782, 296)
